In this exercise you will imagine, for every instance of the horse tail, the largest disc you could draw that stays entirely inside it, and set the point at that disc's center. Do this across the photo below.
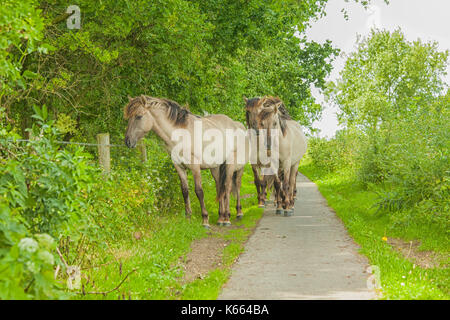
(270, 181)
(281, 175)
(222, 179)
(234, 189)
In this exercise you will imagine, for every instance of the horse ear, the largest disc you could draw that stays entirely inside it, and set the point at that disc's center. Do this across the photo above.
(277, 106)
(245, 99)
(129, 99)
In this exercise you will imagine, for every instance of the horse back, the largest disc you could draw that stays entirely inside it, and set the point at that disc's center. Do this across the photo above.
(298, 141)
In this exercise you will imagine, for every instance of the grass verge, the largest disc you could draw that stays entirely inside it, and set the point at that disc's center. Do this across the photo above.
(150, 259)
(400, 277)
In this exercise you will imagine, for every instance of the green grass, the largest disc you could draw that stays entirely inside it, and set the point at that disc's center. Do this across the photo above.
(156, 257)
(209, 287)
(400, 278)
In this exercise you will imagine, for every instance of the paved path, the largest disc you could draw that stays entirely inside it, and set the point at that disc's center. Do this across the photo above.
(306, 256)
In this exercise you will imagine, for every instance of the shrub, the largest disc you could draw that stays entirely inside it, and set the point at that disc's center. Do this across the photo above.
(333, 154)
(26, 261)
(47, 185)
(43, 195)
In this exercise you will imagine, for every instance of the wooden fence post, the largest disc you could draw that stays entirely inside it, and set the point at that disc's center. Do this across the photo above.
(142, 150)
(104, 156)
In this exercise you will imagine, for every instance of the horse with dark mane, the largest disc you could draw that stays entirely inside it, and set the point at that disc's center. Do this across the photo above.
(167, 119)
(269, 113)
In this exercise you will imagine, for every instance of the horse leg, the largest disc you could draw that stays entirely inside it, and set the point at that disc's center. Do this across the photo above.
(295, 190)
(286, 191)
(224, 190)
(237, 184)
(278, 194)
(228, 187)
(293, 185)
(199, 192)
(269, 186)
(216, 175)
(185, 190)
(262, 196)
(257, 184)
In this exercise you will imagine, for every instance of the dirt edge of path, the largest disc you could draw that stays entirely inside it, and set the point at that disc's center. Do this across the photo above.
(425, 259)
(205, 255)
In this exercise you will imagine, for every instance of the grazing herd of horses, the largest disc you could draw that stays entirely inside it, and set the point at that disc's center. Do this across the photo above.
(266, 114)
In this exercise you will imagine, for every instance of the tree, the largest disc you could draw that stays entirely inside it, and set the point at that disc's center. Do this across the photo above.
(204, 54)
(387, 78)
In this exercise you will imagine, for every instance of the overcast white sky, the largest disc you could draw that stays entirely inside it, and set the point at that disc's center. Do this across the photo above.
(425, 19)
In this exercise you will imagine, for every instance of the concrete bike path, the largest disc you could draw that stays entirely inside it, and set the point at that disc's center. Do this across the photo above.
(306, 256)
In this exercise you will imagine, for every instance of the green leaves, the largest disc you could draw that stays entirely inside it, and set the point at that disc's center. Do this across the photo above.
(200, 53)
(22, 31)
(392, 99)
(26, 262)
(387, 77)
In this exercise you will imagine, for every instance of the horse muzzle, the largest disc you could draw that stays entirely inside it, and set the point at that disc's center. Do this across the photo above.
(129, 143)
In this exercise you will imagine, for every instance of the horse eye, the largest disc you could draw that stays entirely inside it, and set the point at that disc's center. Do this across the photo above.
(138, 117)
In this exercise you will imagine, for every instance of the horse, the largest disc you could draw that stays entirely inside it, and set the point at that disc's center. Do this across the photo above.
(250, 119)
(269, 113)
(167, 119)
(262, 182)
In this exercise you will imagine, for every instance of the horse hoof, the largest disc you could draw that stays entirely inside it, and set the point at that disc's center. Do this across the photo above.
(226, 224)
(279, 212)
(288, 213)
(206, 226)
(239, 217)
(261, 206)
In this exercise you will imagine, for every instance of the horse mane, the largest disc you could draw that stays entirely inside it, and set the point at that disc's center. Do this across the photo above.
(133, 106)
(266, 111)
(177, 114)
(252, 104)
(283, 125)
(268, 101)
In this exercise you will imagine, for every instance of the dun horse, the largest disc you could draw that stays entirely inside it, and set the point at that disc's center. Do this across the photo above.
(163, 116)
(262, 182)
(269, 113)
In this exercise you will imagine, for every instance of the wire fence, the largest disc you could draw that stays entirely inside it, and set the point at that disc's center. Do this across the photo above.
(77, 143)
(122, 155)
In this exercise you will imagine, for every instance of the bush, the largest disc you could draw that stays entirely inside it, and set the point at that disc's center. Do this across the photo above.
(26, 261)
(48, 186)
(337, 153)
(417, 159)
(44, 193)
(50, 194)
(371, 159)
(407, 156)
(134, 191)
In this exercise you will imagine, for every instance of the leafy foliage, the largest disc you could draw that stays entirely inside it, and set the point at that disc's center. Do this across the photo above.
(22, 30)
(200, 53)
(388, 78)
(46, 185)
(204, 54)
(41, 192)
(393, 100)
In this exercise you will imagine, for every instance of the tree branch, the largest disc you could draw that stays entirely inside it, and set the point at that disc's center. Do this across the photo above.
(62, 17)
(106, 292)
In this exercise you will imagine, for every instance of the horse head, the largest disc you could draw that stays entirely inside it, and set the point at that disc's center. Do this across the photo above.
(252, 108)
(140, 120)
